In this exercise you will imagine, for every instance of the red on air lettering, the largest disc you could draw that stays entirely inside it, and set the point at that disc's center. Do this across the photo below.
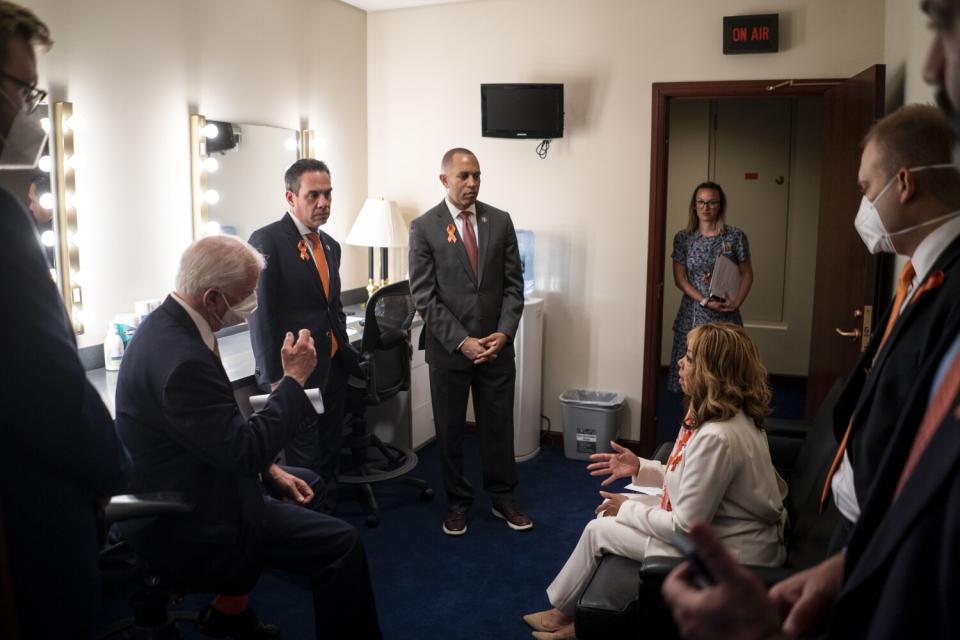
(760, 33)
(739, 34)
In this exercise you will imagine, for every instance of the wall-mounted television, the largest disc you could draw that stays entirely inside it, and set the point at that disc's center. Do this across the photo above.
(521, 110)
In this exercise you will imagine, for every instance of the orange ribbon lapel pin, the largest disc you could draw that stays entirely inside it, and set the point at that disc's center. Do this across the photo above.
(933, 281)
(303, 251)
(451, 233)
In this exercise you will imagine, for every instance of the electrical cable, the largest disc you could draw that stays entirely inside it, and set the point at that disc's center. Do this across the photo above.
(543, 148)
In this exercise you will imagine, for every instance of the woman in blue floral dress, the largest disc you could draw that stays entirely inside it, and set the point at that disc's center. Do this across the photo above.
(695, 251)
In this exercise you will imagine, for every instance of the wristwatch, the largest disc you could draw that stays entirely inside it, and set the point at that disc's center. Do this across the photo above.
(703, 302)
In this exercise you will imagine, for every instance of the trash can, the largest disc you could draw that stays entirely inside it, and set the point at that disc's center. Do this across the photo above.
(590, 420)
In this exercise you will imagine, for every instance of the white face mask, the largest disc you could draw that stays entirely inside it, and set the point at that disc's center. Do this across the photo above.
(239, 314)
(24, 142)
(870, 226)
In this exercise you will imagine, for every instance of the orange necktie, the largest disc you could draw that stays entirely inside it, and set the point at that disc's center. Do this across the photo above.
(943, 399)
(320, 260)
(903, 286)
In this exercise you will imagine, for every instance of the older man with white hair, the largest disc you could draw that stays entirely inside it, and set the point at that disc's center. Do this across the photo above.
(177, 414)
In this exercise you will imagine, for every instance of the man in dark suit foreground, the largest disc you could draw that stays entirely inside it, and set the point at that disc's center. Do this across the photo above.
(897, 575)
(467, 281)
(177, 414)
(60, 456)
(300, 288)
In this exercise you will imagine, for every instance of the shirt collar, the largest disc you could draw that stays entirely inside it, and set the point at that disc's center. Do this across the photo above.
(302, 228)
(930, 248)
(206, 334)
(455, 212)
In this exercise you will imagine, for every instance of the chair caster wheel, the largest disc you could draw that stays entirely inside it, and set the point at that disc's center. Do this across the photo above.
(426, 495)
(373, 521)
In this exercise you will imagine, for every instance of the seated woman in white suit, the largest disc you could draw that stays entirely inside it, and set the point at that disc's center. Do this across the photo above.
(719, 472)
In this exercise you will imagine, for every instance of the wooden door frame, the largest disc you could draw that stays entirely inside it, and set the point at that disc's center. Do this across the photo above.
(662, 93)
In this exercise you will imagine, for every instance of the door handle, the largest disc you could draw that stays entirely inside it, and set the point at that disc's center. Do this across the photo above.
(854, 333)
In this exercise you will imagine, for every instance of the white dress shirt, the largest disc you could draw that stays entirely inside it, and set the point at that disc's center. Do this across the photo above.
(304, 230)
(455, 213)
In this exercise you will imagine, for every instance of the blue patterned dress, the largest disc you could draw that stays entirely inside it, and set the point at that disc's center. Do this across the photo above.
(698, 254)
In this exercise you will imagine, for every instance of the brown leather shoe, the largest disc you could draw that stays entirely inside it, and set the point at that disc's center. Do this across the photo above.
(455, 522)
(513, 516)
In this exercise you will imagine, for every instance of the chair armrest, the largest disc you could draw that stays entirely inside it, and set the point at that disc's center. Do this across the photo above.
(663, 452)
(654, 571)
(147, 505)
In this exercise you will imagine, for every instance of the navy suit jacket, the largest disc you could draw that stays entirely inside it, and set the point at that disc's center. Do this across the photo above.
(177, 415)
(290, 297)
(901, 575)
(59, 454)
(877, 391)
(454, 302)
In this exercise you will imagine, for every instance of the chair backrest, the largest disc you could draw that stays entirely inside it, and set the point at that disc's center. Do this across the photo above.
(386, 337)
(811, 530)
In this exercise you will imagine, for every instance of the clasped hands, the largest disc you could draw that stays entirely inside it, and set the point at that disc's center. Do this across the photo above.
(481, 350)
(722, 306)
(622, 463)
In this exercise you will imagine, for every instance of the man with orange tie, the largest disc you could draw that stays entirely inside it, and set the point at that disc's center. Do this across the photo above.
(896, 470)
(300, 289)
(911, 197)
(467, 282)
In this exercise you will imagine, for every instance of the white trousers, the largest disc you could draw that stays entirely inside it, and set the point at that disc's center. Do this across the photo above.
(600, 536)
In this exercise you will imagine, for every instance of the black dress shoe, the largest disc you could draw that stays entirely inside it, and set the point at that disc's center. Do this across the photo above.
(243, 626)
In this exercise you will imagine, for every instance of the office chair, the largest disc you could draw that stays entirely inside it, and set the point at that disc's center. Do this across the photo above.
(151, 619)
(385, 357)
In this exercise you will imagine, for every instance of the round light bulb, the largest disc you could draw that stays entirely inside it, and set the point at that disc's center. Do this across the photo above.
(210, 131)
(47, 201)
(74, 239)
(290, 144)
(47, 238)
(45, 124)
(45, 164)
(210, 165)
(74, 162)
(75, 200)
(75, 122)
(212, 228)
(211, 197)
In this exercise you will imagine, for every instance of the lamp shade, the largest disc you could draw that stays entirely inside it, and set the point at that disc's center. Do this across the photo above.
(378, 225)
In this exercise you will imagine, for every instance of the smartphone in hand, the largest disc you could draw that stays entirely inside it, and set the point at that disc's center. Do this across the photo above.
(701, 575)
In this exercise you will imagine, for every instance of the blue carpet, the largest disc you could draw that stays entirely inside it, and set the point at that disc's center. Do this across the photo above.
(430, 585)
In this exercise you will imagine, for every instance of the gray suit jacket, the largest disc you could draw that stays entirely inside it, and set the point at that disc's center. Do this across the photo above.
(453, 301)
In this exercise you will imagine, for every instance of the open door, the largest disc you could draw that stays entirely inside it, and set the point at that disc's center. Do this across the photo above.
(849, 281)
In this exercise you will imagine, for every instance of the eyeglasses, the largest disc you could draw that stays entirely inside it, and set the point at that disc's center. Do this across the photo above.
(703, 204)
(32, 97)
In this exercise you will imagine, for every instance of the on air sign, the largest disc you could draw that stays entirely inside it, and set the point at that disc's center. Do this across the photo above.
(751, 34)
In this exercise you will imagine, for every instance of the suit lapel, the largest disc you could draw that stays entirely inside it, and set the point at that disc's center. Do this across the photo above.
(443, 221)
(483, 237)
(294, 239)
(936, 466)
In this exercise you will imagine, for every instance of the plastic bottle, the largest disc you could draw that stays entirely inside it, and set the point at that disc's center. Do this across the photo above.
(112, 348)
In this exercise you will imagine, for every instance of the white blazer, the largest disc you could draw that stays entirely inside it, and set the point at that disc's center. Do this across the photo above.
(725, 478)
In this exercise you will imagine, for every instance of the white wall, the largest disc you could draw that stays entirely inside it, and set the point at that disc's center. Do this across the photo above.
(135, 69)
(906, 43)
(588, 202)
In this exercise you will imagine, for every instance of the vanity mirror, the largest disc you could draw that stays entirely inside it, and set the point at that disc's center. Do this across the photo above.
(49, 192)
(237, 173)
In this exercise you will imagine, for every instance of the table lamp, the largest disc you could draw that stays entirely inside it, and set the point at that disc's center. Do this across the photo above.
(378, 225)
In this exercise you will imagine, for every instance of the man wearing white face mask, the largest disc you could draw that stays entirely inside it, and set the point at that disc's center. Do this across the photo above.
(177, 415)
(59, 453)
(910, 206)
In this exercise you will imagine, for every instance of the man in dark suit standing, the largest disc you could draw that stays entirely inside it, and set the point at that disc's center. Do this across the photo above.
(177, 415)
(467, 281)
(59, 456)
(300, 288)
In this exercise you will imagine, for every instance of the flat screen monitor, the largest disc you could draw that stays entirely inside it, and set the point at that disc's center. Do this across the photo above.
(522, 110)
